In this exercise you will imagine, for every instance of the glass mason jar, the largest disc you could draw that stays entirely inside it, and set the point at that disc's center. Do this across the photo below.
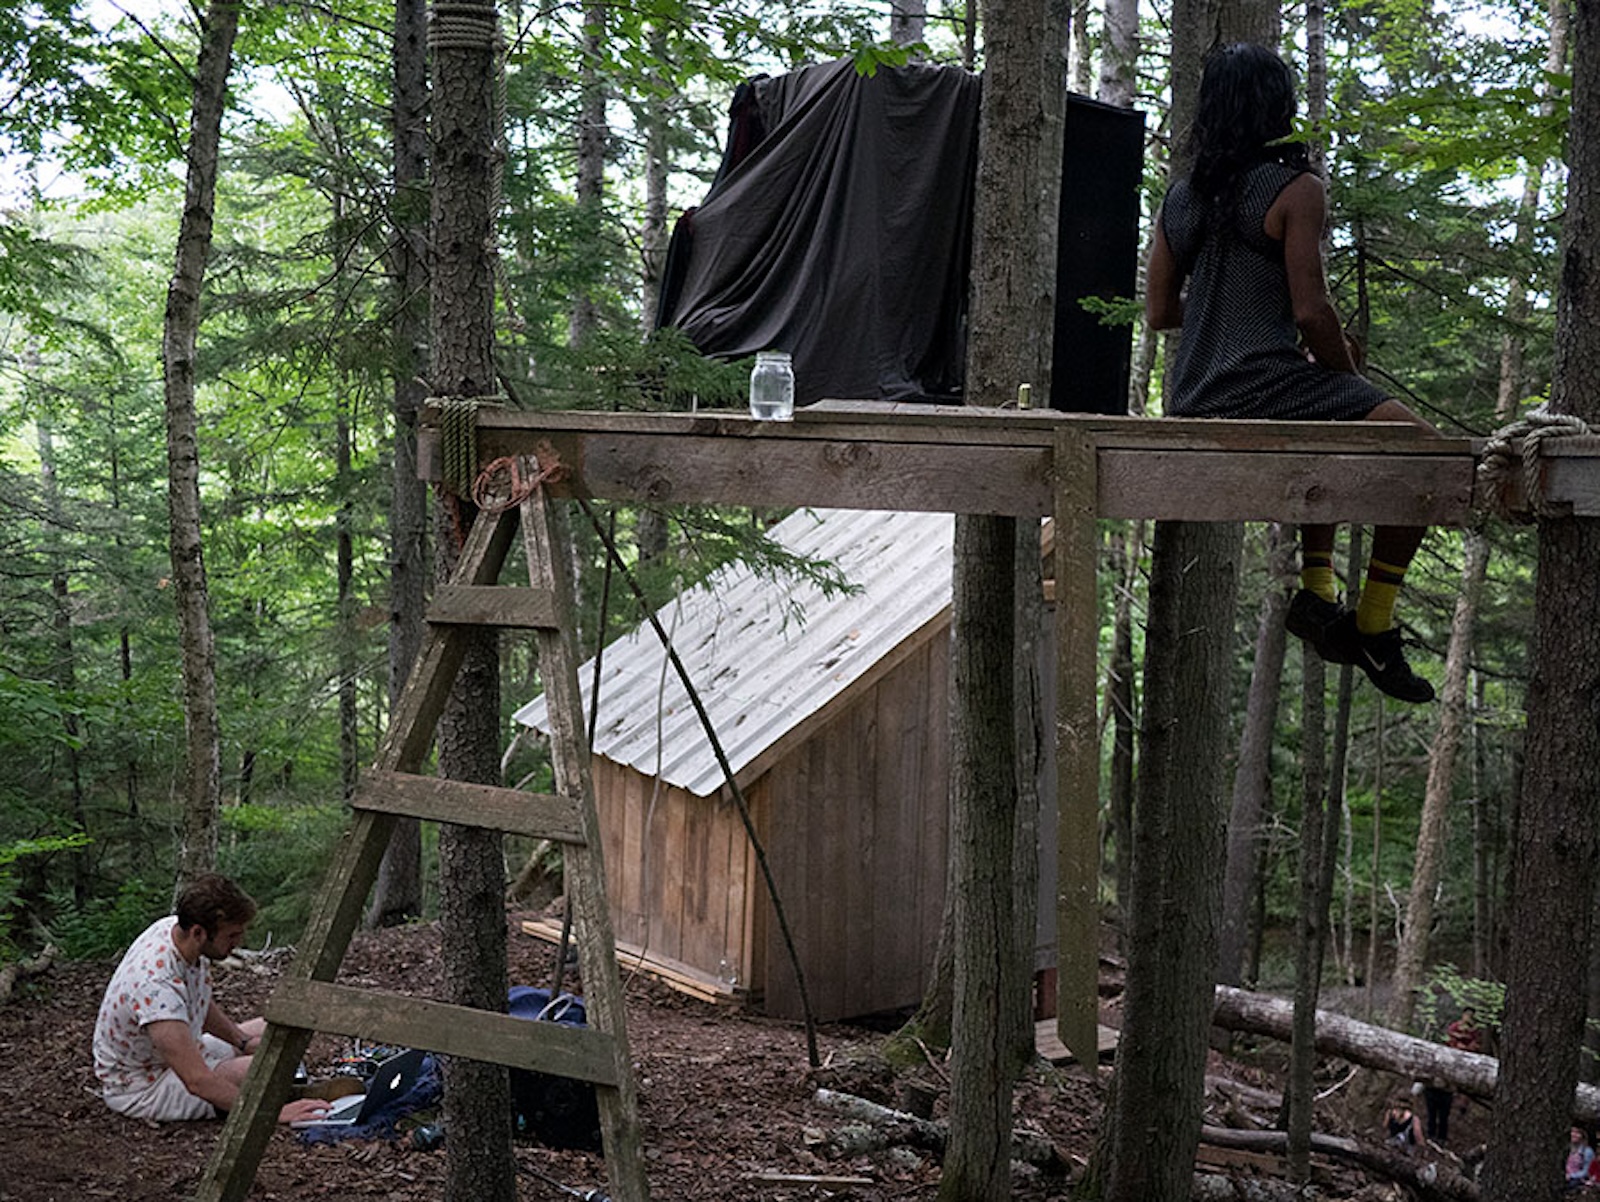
(772, 387)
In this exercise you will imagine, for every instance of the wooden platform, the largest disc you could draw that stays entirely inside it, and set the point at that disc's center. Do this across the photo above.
(1048, 1043)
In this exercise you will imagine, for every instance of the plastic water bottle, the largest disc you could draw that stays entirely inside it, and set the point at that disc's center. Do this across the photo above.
(772, 387)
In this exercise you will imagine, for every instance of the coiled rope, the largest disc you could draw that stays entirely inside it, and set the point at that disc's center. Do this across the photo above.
(1503, 459)
(510, 480)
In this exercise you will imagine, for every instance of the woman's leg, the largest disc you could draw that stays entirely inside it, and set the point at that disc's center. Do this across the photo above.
(1393, 547)
(1367, 638)
(1316, 561)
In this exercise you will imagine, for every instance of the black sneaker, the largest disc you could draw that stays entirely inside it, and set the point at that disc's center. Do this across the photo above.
(1310, 618)
(1379, 656)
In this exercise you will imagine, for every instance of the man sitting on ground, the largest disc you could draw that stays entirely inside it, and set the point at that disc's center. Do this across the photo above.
(163, 1049)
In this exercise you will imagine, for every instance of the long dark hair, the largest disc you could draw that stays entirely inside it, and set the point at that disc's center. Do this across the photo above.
(1246, 108)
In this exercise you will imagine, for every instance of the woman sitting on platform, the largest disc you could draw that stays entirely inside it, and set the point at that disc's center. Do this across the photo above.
(1237, 264)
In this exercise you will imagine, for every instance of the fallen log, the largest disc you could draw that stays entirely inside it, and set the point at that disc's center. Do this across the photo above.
(880, 1127)
(1432, 1180)
(21, 970)
(1380, 1048)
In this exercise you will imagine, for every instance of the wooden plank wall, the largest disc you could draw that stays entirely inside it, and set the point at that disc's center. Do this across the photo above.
(856, 831)
(677, 874)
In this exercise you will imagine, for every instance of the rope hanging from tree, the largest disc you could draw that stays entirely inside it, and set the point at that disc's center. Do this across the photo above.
(1502, 458)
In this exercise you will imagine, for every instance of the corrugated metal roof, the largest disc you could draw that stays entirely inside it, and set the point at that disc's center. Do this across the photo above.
(765, 654)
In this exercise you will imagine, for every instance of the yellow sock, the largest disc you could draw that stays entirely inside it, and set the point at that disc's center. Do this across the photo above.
(1316, 574)
(1375, 612)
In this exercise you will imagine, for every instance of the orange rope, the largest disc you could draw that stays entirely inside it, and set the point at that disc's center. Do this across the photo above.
(502, 485)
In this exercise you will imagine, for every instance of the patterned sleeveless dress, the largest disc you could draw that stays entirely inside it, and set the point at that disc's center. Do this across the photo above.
(1238, 356)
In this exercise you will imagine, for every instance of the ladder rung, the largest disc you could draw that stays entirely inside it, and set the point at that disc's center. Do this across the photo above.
(539, 815)
(542, 1047)
(493, 605)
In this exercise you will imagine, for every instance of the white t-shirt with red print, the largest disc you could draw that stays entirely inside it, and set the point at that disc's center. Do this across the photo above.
(152, 984)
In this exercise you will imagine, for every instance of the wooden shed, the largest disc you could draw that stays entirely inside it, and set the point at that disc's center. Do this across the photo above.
(833, 714)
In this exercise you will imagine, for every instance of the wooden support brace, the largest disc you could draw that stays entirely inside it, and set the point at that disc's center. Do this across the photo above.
(537, 815)
(492, 605)
(577, 1052)
(1077, 551)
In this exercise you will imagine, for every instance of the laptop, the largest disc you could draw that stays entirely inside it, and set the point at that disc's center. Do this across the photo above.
(392, 1079)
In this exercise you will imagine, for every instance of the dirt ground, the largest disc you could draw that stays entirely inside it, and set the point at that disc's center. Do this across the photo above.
(726, 1094)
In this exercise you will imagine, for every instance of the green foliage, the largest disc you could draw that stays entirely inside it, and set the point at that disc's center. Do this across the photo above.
(10, 898)
(1448, 992)
(103, 927)
(279, 853)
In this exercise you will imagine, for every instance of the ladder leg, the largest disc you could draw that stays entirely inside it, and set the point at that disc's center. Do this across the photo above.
(232, 1167)
(545, 543)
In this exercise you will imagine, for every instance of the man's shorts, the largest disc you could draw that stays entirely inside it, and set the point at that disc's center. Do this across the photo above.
(166, 1100)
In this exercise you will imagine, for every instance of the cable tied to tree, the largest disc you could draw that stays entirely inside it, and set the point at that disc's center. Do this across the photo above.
(1518, 447)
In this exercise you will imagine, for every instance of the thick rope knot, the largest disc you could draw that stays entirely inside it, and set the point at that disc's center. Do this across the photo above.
(512, 479)
(458, 439)
(464, 27)
(1503, 458)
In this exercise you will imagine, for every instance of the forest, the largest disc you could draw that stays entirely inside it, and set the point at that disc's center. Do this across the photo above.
(1441, 129)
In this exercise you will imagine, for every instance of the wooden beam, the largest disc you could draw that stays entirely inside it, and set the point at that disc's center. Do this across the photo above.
(1224, 486)
(1077, 555)
(936, 459)
(492, 605)
(542, 1047)
(488, 807)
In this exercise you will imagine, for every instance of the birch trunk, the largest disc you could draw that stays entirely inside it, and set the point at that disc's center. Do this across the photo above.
(202, 786)
(1431, 837)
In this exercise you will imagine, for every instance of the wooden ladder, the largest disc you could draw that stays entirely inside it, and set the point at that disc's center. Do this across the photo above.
(306, 998)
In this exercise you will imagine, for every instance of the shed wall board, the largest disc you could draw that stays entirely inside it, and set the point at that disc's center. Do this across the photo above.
(858, 846)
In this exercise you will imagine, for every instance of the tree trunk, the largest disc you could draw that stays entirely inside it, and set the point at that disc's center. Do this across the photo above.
(653, 237)
(66, 657)
(1252, 780)
(1080, 59)
(1153, 1122)
(344, 554)
(590, 194)
(1127, 547)
(984, 1013)
(1119, 81)
(1431, 837)
(1555, 854)
(908, 21)
(1119, 54)
(1012, 300)
(181, 329)
(477, 1102)
(1301, 1092)
(1377, 855)
(397, 894)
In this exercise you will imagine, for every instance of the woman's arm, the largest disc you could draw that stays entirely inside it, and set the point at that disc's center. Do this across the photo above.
(1297, 218)
(1163, 286)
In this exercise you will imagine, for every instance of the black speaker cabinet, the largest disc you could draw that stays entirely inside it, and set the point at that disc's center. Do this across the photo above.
(1102, 158)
